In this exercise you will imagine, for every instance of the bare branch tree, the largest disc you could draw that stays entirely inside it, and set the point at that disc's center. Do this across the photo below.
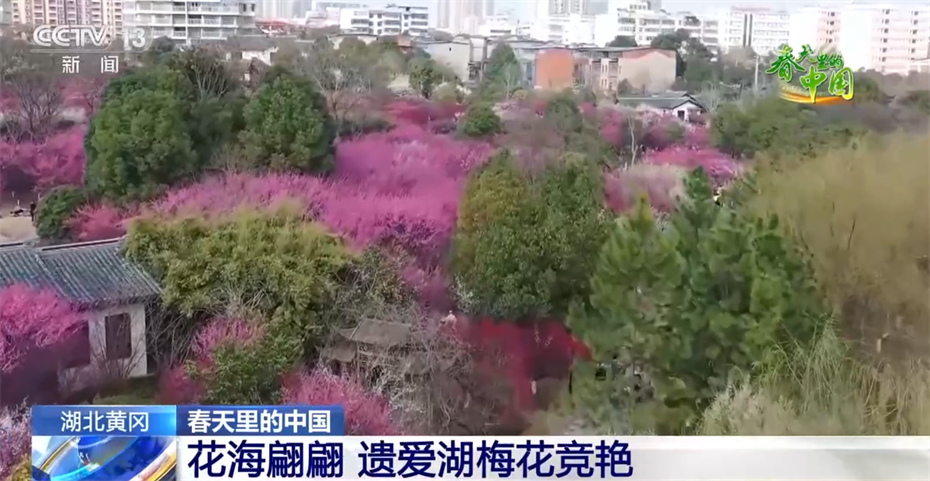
(345, 78)
(39, 101)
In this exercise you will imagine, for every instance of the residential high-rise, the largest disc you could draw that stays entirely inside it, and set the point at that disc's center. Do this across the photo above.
(390, 20)
(817, 27)
(188, 21)
(762, 29)
(68, 12)
(462, 16)
(646, 25)
(886, 38)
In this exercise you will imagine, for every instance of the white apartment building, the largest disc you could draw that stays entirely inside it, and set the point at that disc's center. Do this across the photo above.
(324, 5)
(462, 16)
(391, 20)
(572, 29)
(886, 38)
(760, 28)
(67, 12)
(6, 12)
(645, 25)
(817, 27)
(188, 22)
(498, 26)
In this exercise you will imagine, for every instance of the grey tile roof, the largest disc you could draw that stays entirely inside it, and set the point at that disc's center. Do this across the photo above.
(90, 274)
(659, 102)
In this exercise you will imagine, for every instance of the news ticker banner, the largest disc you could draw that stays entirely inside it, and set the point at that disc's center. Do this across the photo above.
(166, 443)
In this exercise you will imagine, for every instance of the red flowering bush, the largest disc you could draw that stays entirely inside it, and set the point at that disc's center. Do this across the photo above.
(366, 413)
(57, 160)
(225, 332)
(15, 439)
(32, 318)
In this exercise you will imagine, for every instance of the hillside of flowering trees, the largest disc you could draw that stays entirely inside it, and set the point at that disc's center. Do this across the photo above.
(508, 242)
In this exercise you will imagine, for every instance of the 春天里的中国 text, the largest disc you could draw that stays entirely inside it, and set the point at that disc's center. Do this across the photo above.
(811, 77)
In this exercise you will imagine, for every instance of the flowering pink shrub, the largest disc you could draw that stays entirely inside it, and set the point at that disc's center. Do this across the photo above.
(225, 332)
(719, 167)
(422, 112)
(661, 131)
(32, 318)
(15, 439)
(175, 386)
(366, 413)
(660, 184)
(696, 136)
(432, 286)
(57, 160)
(400, 188)
(99, 221)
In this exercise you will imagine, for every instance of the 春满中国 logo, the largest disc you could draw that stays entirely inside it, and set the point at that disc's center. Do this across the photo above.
(839, 83)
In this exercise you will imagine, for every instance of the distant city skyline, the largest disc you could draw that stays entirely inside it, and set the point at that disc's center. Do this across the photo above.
(524, 9)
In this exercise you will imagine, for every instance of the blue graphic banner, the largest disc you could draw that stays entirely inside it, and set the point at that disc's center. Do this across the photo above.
(104, 420)
(292, 420)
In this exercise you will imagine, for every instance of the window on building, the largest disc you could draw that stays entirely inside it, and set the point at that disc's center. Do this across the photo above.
(118, 336)
(77, 347)
(681, 114)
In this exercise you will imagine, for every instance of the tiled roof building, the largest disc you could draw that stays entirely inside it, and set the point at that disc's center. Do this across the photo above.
(93, 275)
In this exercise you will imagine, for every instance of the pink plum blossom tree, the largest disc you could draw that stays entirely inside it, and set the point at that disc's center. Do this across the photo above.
(32, 318)
(366, 413)
(56, 160)
(15, 439)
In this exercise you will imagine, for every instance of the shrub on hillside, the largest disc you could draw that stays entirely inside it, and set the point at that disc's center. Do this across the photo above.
(54, 211)
(271, 261)
(525, 247)
(288, 127)
(715, 290)
(480, 121)
(138, 145)
(241, 361)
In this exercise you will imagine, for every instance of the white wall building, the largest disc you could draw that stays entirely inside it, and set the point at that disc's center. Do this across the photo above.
(564, 29)
(188, 22)
(111, 295)
(391, 20)
(886, 38)
(645, 25)
(760, 28)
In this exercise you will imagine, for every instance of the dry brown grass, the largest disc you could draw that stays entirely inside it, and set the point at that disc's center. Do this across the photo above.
(864, 213)
(824, 391)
